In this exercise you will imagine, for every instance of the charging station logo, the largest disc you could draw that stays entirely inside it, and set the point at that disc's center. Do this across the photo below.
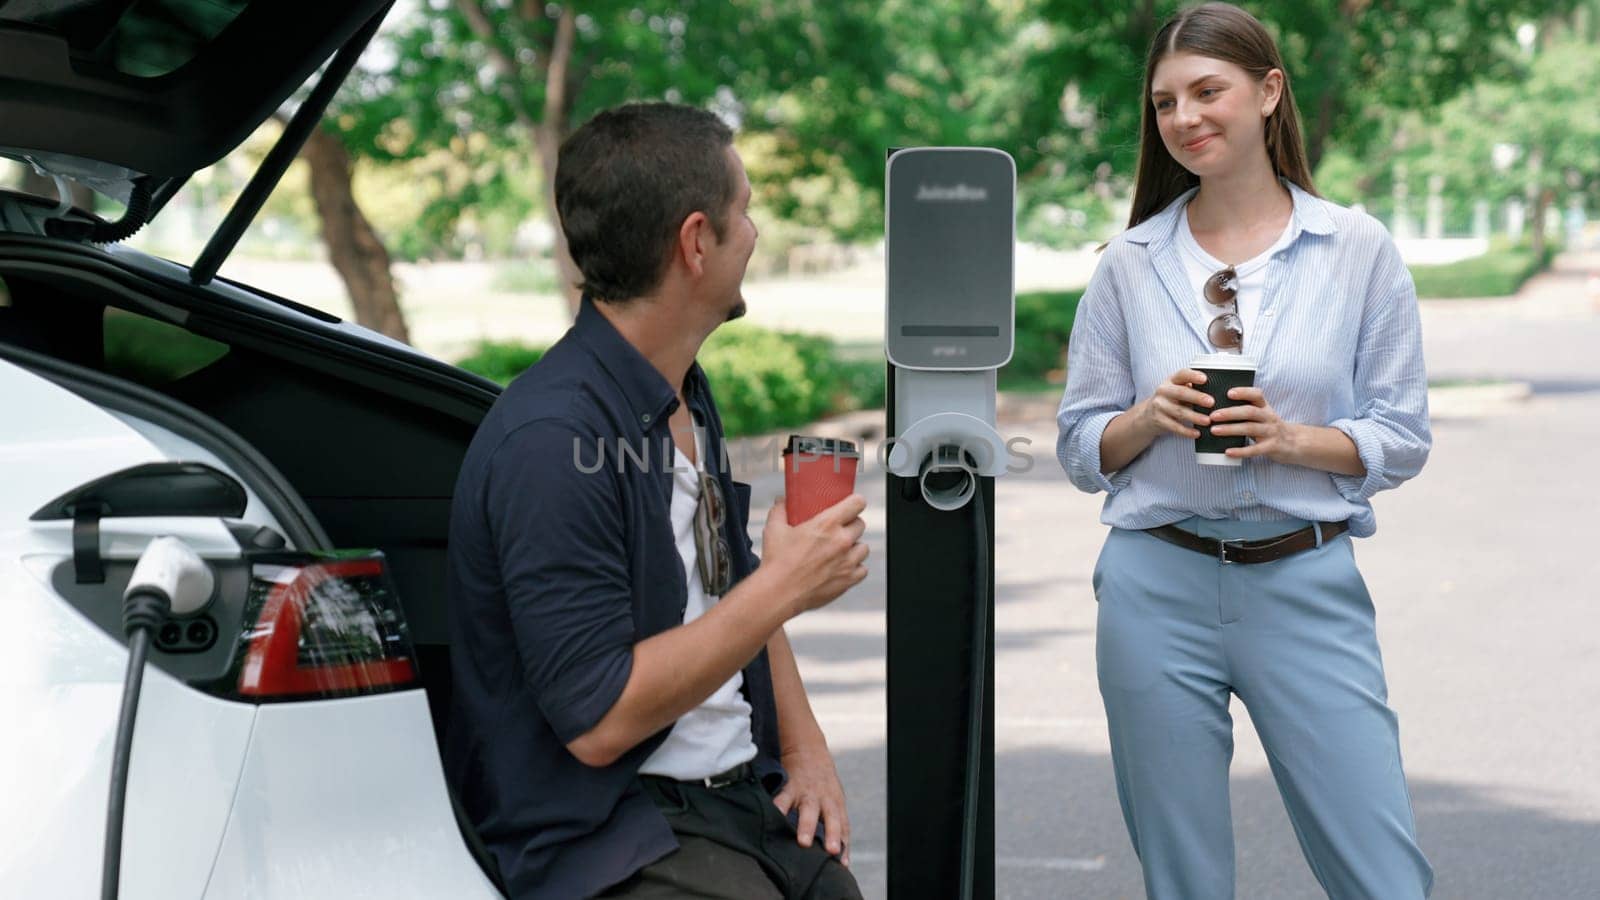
(959, 193)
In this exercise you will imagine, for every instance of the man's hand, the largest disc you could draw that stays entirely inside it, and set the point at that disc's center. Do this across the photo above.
(814, 789)
(821, 557)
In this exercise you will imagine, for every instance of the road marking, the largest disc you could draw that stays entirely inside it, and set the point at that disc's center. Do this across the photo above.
(1007, 722)
(1051, 863)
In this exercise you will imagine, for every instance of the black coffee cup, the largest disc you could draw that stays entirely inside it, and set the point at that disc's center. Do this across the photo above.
(1224, 372)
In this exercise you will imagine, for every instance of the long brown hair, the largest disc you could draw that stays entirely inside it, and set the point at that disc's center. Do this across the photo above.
(1226, 32)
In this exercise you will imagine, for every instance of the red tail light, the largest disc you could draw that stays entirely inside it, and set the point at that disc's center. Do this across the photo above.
(323, 627)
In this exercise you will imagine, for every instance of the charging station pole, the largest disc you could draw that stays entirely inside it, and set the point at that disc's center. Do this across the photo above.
(949, 239)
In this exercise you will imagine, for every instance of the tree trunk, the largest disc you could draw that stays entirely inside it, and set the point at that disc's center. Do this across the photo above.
(1541, 203)
(547, 137)
(560, 89)
(354, 248)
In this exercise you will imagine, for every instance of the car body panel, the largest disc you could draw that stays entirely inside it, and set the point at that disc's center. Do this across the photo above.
(345, 799)
(61, 680)
(56, 441)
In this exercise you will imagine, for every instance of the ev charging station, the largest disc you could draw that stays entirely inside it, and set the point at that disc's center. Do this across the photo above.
(950, 238)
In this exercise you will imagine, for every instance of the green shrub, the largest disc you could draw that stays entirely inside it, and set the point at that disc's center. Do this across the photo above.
(763, 380)
(1497, 273)
(1044, 324)
(859, 384)
(500, 361)
(760, 379)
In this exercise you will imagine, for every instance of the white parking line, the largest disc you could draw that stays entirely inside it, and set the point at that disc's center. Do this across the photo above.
(1003, 722)
(1053, 863)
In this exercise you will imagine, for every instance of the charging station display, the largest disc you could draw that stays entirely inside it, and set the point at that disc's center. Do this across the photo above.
(950, 219)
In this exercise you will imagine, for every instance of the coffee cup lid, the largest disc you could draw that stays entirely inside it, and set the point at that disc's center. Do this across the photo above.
(819, 446)
(1223, 361)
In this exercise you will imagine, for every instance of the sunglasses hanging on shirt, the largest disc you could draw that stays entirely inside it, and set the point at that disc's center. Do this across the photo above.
(714, 556)
(1226, 331)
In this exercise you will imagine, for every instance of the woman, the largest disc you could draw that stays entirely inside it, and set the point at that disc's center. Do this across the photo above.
(1317, 295)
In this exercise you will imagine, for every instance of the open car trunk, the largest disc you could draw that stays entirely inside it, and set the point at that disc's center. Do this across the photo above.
(370, 439)
(367, 434)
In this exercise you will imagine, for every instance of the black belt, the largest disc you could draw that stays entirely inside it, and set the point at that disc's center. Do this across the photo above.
(737, 775)
(1265, 550)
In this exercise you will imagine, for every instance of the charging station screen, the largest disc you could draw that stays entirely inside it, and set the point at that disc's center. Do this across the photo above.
(950, 243)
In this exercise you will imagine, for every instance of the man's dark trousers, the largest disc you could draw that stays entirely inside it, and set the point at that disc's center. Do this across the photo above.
(733, 845)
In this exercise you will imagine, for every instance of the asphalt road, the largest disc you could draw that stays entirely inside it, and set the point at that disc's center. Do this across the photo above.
(1486, 577)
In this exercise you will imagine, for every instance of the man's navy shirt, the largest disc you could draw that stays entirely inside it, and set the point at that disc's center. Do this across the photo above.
(562, 557)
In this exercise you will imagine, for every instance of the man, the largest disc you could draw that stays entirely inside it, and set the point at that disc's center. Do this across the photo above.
(628, 719)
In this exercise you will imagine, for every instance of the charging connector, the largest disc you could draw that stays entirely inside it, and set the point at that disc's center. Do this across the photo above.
(169, 579)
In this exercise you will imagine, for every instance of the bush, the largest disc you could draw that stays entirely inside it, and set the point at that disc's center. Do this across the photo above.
(1044, 324)
(763, 380)
(1497, 273)
(500, 361)
(760, 380)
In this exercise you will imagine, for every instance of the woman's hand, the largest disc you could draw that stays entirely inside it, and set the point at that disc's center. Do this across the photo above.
(1273, 438)
(1169, 408)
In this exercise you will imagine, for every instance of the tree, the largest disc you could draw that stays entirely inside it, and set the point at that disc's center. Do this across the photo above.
(1350, 62)
(1547, 114)
(552, 67)
(354, 247)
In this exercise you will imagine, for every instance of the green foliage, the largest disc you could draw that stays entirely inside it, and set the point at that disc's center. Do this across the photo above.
(767, 380)
(1044, 325)
(1498, 273)
(1350, 62)
(152, 352)
(500, 361)
(1550, 118)
(763, 380)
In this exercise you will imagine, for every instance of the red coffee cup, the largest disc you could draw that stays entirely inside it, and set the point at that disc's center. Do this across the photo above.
(817, 473)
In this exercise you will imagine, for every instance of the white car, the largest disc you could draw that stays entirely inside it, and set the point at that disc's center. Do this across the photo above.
(286, 740)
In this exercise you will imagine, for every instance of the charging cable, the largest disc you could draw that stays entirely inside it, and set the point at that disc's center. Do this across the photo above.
(170, 579)
(980, 666)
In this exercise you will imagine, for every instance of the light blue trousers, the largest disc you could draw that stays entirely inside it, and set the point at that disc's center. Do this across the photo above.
(1177, 633)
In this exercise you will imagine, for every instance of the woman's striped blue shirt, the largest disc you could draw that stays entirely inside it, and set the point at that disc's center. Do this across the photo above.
(1339, 343)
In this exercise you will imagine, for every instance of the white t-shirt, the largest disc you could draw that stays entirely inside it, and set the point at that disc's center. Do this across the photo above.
(1252, 274)
(714, 736)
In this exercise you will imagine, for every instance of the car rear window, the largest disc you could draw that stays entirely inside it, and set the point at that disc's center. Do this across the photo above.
(146, 38)
(153, 353)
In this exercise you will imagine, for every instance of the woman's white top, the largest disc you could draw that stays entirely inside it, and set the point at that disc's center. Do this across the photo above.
(1338, 340)
(1252, 274)
(714, 736)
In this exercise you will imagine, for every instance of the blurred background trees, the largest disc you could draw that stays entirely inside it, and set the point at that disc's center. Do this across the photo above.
(1457, 118)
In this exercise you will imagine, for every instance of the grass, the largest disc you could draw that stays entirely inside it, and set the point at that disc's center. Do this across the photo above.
(1498, 273)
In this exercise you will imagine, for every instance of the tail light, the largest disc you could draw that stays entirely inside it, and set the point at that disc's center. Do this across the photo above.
(322, 626)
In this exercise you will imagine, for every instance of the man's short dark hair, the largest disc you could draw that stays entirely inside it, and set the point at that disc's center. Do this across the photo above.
(624, 183)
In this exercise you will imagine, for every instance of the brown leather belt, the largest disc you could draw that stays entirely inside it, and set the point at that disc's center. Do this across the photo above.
(1266, 550)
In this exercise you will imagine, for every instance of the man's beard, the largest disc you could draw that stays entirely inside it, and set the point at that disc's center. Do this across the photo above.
(738, 311)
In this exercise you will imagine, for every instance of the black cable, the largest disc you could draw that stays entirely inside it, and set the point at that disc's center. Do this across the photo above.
(98, 232)
(980, 666)
(141, 616)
